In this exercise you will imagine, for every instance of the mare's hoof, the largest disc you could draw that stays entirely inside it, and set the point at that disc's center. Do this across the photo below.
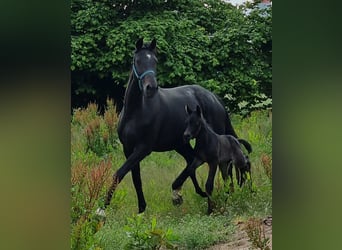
(177, 198)
(177, 201)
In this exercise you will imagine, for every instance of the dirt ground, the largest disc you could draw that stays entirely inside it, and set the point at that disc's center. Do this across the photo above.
(241, 240)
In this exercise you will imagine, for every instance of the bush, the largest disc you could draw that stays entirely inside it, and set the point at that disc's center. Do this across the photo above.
(93, 136)
(99, 131)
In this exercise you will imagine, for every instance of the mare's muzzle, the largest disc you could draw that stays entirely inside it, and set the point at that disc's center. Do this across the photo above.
(186, 137)
(147, 82)
(150, 86)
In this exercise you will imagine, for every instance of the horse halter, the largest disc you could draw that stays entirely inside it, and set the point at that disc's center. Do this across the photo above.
(141, 77)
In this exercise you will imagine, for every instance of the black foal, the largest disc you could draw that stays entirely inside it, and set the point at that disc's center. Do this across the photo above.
(213, 149)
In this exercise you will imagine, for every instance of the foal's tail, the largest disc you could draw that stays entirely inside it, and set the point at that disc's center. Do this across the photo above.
(230, 131)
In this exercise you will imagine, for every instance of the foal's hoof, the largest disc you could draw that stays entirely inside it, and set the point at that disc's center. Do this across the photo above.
(177, 198)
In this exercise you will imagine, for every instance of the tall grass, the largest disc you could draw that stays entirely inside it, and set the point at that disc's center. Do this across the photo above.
(183, 227)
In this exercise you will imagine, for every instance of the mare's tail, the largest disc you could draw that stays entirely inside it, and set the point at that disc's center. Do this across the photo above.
(230, 131)
(246, 144)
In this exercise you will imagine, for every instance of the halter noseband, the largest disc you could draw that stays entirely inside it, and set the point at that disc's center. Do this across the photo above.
(141, 77)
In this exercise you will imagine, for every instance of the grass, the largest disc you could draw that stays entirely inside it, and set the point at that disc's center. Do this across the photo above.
(163, 225)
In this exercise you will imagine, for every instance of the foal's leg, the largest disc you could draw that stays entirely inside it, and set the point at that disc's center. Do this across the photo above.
(209, 186)
(227, 171)
(133, 160)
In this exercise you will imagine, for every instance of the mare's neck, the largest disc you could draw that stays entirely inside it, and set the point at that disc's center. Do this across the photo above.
(133, 95)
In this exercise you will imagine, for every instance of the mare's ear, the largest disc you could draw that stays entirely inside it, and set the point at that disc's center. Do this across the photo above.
(139, 43)
(188, 110)
(198, 110)
(153, 45)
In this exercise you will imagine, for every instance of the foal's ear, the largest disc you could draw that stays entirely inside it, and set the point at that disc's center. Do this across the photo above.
(198, 110)
(153, 45)
(139, 43)
(188, 110)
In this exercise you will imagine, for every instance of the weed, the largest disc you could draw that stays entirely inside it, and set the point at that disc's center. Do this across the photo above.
(143, 236)
(111, 121)
(266, 162)
(99, 131)
(86, 186)
(256, 234)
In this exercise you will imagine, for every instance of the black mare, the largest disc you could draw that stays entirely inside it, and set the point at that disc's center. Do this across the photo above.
(153, 119)
(213, 149)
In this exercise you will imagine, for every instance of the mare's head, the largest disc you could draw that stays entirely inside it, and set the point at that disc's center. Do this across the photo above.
(144, 67)
(193, 123)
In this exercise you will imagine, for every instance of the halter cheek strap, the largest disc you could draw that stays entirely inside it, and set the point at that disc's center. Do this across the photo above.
(141, 77)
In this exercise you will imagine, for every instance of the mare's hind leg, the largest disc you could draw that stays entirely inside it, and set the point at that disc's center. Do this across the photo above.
(177, 184)
(187, 153)
(189, 171)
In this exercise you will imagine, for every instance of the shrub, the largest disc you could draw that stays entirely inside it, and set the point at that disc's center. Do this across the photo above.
(87, 184)
(99, 131)
(93, 136)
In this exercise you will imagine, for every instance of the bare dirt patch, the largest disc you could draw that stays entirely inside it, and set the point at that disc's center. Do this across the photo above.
(241, 240)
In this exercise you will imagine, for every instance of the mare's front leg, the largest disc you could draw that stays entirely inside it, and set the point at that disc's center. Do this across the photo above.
(138, 187)
(209, 186)
(136, 177)
(131, 163)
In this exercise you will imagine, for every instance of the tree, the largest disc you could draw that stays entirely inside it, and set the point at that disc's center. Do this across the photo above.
(210, 43)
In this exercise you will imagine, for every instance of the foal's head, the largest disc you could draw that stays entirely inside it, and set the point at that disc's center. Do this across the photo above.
(240, 160)
(145, 66)
(193, 123)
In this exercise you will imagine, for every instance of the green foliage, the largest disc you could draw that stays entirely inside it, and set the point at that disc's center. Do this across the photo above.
(100, 131)
(196, 231)
(143, 236)
(162, 225)
(90, 173)
(210, 43)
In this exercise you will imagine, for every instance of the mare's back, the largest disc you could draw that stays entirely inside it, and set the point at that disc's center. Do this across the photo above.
(193, 95)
